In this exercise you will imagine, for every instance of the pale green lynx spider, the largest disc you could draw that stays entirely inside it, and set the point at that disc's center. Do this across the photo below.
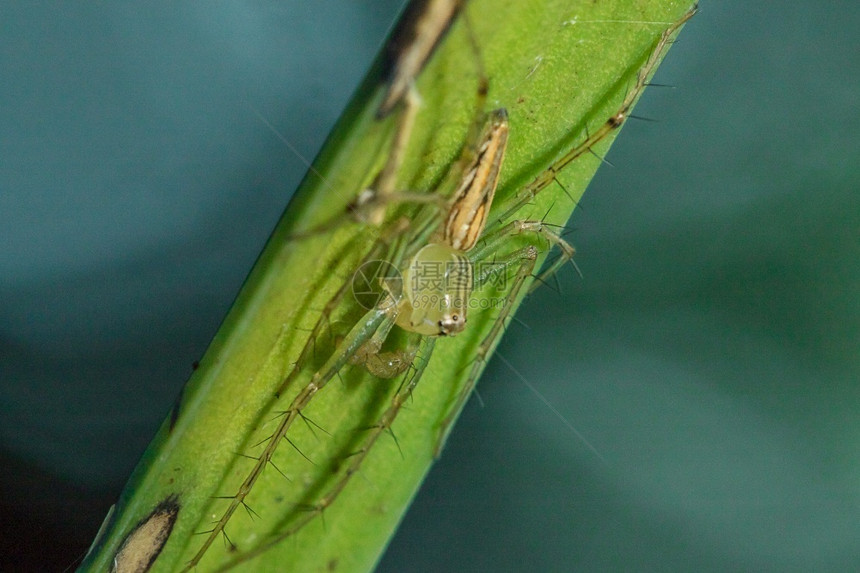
(445, 252)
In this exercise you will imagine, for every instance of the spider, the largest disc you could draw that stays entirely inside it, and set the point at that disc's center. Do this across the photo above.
(436, 262)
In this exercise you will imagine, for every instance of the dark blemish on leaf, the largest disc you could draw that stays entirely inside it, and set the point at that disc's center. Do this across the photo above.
(145, 542)
(174, 411)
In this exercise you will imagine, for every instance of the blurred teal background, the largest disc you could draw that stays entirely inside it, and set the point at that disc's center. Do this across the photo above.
(709, 353)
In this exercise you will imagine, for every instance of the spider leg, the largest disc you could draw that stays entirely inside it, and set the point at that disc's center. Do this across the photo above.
(526, 258)
(612, 124)
(357, 457)
(387, 364)
(386, 236)
(386, 182)
(363, 331)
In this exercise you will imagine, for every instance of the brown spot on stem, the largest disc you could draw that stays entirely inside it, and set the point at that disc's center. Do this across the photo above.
(143, 545)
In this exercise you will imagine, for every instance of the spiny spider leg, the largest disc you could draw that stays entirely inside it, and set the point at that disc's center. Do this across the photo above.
(356, 458)
(398, 227)
(527, 257)
(548, 176)
(374, 320)
(491, 241)
(365, 328)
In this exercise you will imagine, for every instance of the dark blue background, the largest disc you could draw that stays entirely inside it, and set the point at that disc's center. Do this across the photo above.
(709, 353)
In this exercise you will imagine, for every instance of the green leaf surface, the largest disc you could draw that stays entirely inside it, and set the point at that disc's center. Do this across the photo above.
(561, 69)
